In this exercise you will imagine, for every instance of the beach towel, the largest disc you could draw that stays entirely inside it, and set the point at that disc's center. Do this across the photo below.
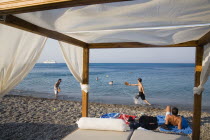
(110, 115)
(126, 117)
(185, 126)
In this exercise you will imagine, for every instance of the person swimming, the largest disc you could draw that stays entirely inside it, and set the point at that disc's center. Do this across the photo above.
(111, 83)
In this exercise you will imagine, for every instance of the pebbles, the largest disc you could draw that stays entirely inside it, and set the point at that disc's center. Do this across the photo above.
(45, 119)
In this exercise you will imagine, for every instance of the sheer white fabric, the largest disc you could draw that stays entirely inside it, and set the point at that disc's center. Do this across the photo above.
(19, 51)
(73, 56)
(157, 22)
(153, 37)
(205, 70)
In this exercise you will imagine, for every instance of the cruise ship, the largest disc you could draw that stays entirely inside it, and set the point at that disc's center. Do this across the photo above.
(49, 62)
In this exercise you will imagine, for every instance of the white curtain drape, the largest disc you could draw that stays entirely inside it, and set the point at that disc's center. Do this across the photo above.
(205, 70)
(73, 56)
(19, 51)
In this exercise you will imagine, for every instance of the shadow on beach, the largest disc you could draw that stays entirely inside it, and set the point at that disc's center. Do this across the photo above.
(32, 131)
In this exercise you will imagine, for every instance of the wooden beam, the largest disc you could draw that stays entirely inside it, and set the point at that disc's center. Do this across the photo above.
(197, 98)
(204, 40)
(137, 45)
(24, 6)
(85, 80)
(16, 22)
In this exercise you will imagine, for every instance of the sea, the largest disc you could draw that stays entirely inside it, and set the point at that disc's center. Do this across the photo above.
(164, 84)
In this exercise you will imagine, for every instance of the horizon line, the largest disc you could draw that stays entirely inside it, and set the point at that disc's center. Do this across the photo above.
(126, 63)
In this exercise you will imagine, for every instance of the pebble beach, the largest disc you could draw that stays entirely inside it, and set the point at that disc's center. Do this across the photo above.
(28, 118)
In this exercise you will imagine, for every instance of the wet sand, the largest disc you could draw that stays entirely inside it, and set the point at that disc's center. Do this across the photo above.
(30, 118)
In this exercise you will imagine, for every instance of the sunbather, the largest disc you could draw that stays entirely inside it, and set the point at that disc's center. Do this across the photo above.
(172, 117)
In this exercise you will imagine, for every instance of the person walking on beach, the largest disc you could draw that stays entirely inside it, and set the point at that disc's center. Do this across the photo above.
(141, 90)
(57, 87)
(172, 117)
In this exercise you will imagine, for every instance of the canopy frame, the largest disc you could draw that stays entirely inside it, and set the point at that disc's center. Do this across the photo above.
(204, 39)
(138, 45)
(197, 98)
(16, 22)
(24, 6)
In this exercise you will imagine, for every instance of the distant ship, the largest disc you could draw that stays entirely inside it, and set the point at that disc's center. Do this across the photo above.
(49, 61)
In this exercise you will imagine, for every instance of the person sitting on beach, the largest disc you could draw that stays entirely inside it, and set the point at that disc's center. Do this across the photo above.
(172, 117)
(141, 91)
(57, 88)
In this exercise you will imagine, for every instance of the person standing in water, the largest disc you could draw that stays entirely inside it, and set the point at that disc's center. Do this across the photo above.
(57, 88)
(111, 83)
(141, 91)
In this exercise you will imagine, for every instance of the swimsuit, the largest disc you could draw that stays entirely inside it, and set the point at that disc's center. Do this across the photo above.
(141, 94)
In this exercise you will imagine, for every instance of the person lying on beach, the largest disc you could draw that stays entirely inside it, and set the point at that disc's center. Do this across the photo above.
(57, 88)
(172, 117)
(141, 90)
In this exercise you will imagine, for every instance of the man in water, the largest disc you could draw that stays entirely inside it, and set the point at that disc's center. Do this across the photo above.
(111, 83)
(141, 91)
(172, 117)
(57, 88)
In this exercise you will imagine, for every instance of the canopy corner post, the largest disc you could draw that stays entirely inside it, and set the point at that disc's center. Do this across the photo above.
(85, 80)
(197, 97)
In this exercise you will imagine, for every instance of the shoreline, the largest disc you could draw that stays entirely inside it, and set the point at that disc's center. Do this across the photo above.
(160, 103)
(40, 118)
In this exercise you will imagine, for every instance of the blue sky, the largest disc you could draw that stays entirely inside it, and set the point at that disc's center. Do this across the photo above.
(125, 55)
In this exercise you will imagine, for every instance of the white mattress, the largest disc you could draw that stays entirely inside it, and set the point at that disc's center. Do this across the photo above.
(82, 134)
(151, 135)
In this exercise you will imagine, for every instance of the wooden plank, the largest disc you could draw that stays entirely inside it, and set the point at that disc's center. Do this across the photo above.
(23, 6)
(204, 40)
(197, 98)
(137, 45)
(16, 22)
(85, 80)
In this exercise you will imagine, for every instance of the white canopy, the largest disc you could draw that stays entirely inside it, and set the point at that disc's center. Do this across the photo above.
(157, 22)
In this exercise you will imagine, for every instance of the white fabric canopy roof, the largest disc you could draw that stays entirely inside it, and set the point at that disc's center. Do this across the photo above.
(157, 22)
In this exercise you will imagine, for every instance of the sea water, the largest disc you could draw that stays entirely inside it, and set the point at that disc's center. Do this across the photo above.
(164, 83)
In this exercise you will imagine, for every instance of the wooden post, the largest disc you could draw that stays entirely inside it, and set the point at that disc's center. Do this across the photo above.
(197, 98)
(85, 76)
(24, 6)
